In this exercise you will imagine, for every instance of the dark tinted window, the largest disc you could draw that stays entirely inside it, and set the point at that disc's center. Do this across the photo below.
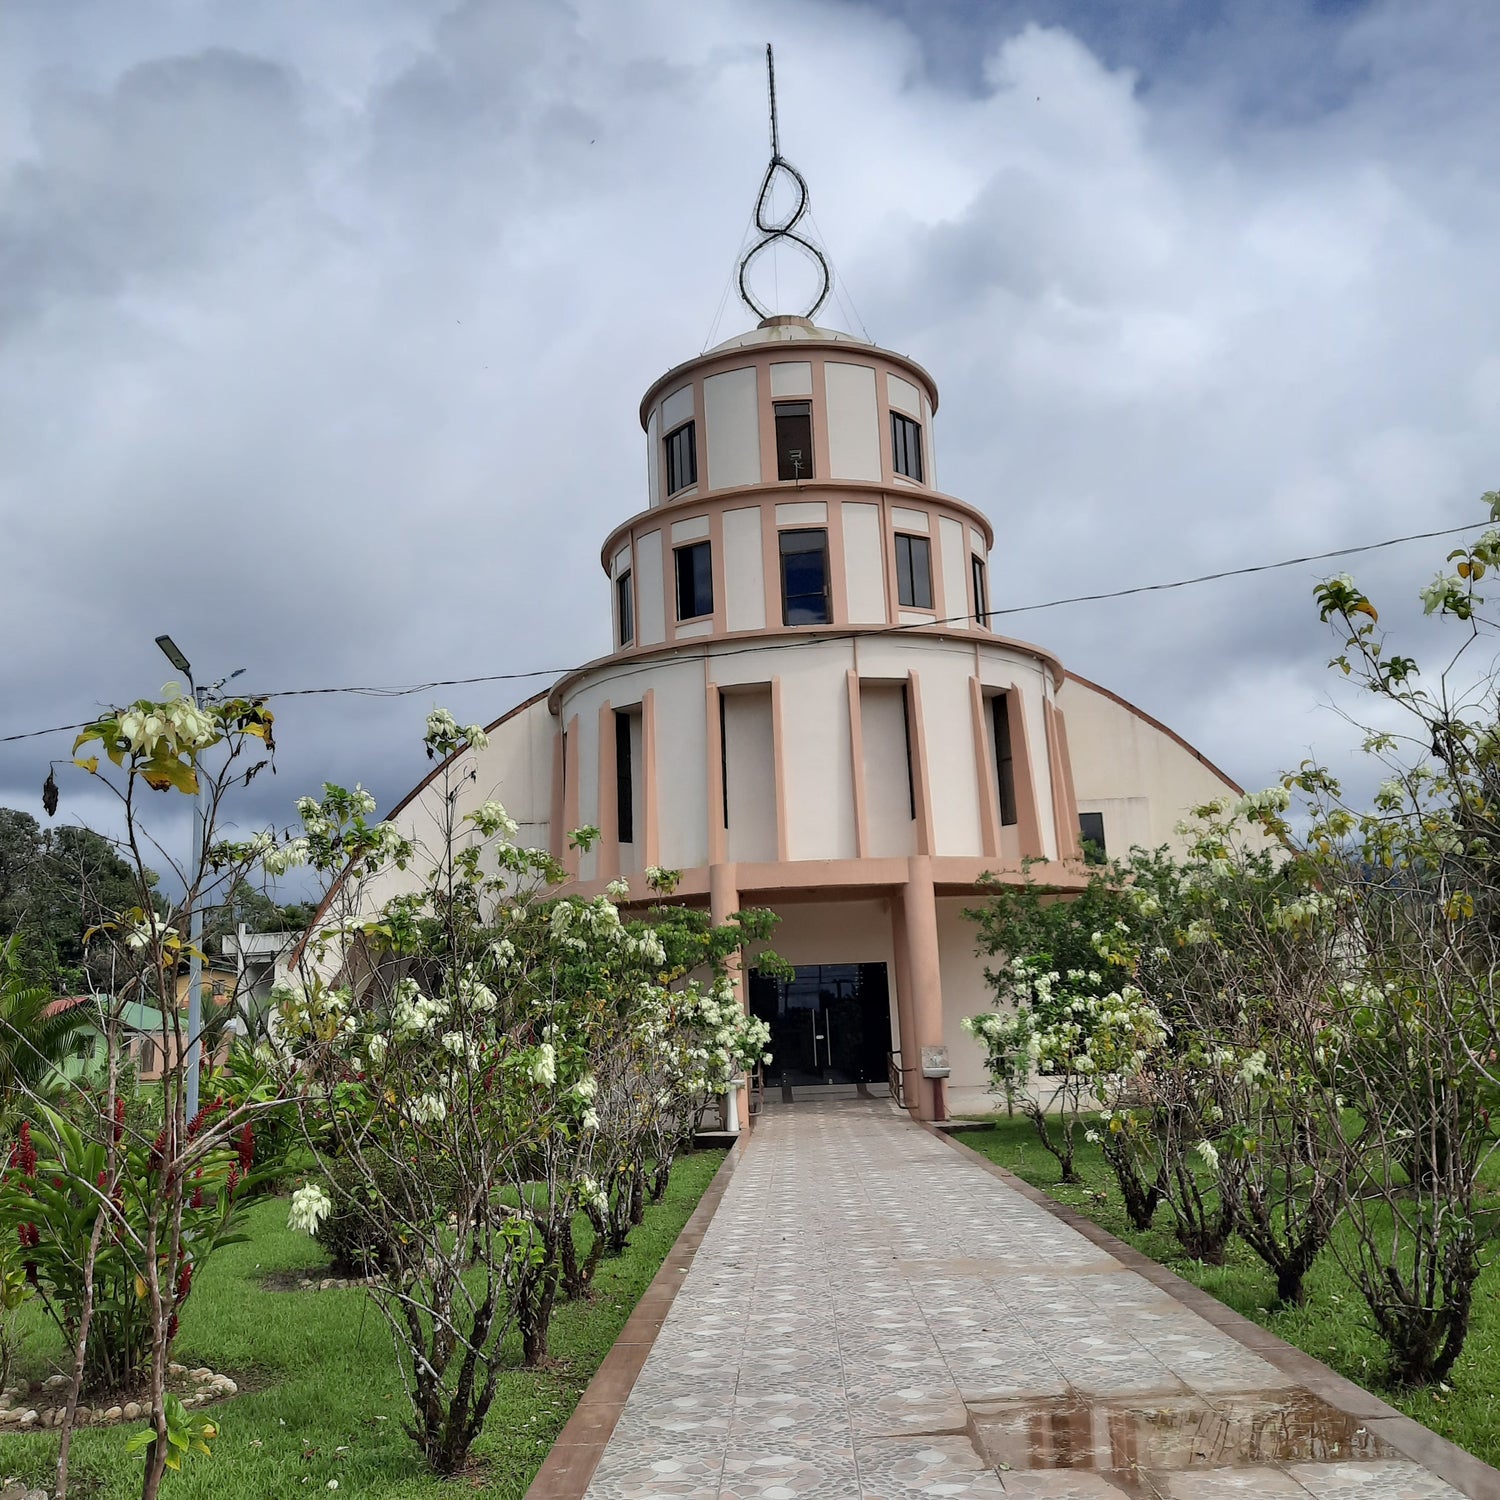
(1091, 836)
(695, 581)
(624, 779)
(794, 457)
(906, 446)
(625, 605)
(1005, 765)
(682, 458)
(914, 571)
(981, 593)
(804, 577)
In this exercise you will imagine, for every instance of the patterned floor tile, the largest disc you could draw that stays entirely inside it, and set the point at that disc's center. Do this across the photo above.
(1384, 1479)
(906, 1468)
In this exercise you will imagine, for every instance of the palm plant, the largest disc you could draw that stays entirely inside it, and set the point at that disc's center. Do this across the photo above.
(33, 1042)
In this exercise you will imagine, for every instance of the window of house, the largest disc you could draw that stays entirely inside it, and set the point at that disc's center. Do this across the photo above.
(624, 779)
(794, 453)
(695, 580)
(724, 755)
(804, 577)
(914, 571)
(911, 780)
(981, 592)
(1005, 765)
(682, 458)
(1091, 836)
(625, 606)
(906, 446)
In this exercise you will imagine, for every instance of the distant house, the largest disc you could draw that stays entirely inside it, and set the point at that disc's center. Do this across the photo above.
(260, 961)
(145, 1042)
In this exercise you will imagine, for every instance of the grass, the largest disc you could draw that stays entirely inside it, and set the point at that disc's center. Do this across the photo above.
(321, 1398)
(1332, 1326)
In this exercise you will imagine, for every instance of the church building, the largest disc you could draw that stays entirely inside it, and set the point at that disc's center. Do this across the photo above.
(807, 708)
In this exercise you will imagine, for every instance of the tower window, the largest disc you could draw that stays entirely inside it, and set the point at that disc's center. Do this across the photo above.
(682, 457)
(804, 577)
(794, 456)
(1091, 836)
(624, 779)
(625, 606)
(906, 446)
(1005, 764)
(695, 581)
(914, 571)
(981, 592)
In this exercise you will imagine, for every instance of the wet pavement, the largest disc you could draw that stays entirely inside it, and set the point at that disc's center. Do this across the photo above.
(873, 1316)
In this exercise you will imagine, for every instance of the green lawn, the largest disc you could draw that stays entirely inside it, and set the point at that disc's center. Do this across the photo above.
(1333, 1326)
(321, 1399)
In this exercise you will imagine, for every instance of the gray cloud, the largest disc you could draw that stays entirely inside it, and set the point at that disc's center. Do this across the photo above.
(321, 333)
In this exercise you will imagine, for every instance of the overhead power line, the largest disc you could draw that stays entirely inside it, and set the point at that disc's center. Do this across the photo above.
(781, 643)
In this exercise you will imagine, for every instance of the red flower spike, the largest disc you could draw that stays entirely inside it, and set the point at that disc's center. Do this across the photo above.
(184, 1280)
(119, 1118)
(31, 1272)
(171, 1328)
(197, 1198)
(103, 1178)
(234, 1180)
(158, 1151)
(247, 1149)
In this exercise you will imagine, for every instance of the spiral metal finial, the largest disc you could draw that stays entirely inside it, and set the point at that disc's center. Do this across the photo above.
(773, 230)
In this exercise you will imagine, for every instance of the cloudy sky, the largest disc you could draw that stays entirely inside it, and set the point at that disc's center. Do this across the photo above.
(323, 328)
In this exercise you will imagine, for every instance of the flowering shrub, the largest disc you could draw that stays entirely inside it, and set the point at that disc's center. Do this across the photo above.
(478, 1062)
(1082, 1035)
(57, 1183)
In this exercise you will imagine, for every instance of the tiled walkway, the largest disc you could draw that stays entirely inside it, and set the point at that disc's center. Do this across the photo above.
(871, 1314)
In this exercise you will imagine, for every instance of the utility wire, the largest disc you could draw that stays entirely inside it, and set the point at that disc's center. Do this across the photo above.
(782, 643)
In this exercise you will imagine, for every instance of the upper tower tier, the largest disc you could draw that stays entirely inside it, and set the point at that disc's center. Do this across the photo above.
(788, 402)
(790, 484)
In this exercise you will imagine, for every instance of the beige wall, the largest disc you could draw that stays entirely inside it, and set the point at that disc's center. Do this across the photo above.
(965, 992)
(1133, 770)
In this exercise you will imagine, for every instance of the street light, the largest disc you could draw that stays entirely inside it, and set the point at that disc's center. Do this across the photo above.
(173, 654)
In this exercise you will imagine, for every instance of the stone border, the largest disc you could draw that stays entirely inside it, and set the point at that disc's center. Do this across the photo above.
(569, 1465)
(1402, 1433)
(194, 1388)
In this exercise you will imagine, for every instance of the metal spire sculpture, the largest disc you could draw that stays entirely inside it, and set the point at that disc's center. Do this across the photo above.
(773, 230)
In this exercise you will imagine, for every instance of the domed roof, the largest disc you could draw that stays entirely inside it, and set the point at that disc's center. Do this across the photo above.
(785, 328)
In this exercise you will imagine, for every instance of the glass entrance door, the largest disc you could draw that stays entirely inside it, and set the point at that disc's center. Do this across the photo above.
(830, 1023)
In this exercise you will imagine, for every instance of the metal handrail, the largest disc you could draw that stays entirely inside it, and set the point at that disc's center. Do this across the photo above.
(896, 1077)
(755, 1095)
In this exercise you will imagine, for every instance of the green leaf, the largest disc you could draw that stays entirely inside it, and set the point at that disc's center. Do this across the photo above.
(140, 1440)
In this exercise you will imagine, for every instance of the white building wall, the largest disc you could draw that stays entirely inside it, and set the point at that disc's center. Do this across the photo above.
(965, 992)
(817, 777)
(650, 595)
(853, 422)
(744, 570)
(732, 418)
(955, 565)
(750, 757)
(864, 563)
(1122, 759)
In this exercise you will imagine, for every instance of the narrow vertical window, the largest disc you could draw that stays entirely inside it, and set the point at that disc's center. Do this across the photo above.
(695, 580)
(1005, 764)
(906, 446)
(724, 755)
(624, 779)
(981, 592)
(794, 456)
(804, 577)
(914, 571)
(625, 607)
(682, 458)
(1091, 836)
(911, 780)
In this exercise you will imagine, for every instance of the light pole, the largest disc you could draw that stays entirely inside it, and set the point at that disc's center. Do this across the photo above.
(174, 655)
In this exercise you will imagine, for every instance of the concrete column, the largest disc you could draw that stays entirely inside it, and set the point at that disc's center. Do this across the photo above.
(918, 932)
(723, 902)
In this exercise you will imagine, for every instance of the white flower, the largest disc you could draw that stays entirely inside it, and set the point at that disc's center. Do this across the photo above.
(543, 1068)
(290, 854)
(310, 1206)
(428, 1109)
(617, 890)
(362, 801)
(1436, 594)
(1209, 1153)
(476, 737)
(591, 1119)
(375, 1051)
(586, 1087)
(491, 818)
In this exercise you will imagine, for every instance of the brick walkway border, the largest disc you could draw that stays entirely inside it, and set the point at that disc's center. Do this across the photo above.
(568, 1467)
(1407, 1437)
